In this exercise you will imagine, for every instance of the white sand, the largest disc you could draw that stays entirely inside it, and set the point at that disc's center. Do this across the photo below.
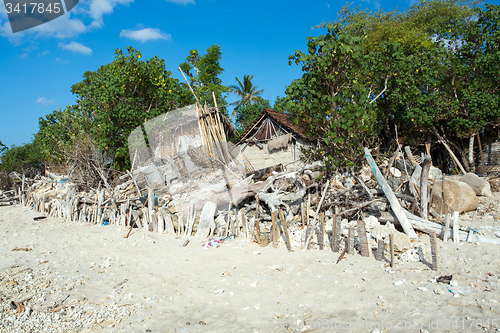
(234, 288)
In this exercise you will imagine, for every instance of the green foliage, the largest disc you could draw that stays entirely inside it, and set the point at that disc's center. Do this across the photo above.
(124, 94)
(3, 147)
(433, 67)
(247, 113)
(334, 98)
(246, 91)
(18, 158)
(203, 73)
(250, 104)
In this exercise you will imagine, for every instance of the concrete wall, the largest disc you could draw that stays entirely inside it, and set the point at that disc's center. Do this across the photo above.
(262, 158)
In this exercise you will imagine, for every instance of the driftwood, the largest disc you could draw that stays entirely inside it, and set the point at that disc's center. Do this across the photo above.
(396, 207)
(430, 227)
(424, 181)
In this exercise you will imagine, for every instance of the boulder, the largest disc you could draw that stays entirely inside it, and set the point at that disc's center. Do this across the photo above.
(478, 184)
(459, 196)
(495, 184)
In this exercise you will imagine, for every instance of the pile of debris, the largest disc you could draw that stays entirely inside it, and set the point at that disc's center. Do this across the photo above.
(188, 180)
(306, 208)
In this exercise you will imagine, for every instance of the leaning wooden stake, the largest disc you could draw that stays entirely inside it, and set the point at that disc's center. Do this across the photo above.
(434, 252)
(288, 241)
(471, 231)
(395, 206)
(391, 247)
(343, 252)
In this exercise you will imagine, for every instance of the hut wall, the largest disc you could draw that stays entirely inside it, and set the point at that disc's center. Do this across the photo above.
(262, 158)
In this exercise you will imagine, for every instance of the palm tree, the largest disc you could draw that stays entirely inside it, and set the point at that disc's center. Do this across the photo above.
(246, 91)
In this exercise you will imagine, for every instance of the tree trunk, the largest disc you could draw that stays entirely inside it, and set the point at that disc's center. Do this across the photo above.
(471, 154)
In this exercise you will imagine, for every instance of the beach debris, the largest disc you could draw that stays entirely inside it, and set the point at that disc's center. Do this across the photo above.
(445, 279)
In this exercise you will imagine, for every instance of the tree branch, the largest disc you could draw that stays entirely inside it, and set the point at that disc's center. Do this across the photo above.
(385, 88)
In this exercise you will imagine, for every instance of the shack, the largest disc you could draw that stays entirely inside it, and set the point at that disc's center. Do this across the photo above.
(272, 139)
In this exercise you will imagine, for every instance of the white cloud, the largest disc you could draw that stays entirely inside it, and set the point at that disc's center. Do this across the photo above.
(144, 34)
(62, 61)
(44, 101)
(76, 47)
(99, 8)
(86, 16)
(62, 27)
(182, 2)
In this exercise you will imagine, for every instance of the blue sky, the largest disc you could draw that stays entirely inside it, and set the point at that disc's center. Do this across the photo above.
(38, 66)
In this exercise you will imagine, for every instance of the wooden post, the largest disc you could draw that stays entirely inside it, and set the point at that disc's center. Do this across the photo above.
(363, 241)
(322, 231)
(285, 229)
(309, 232)
(443, 202)
(446, 233)
(308, 207)
(391, 247)
(428, 145)
(350, 243)
(380, 250)
(456, 238)
(434, 252)
(244, 224)
(257, 231)
(257, 216)
(395, 206)
(151, 204)
(471, 231)
(273, 218)
(424, 182)
(302, 216)
(336, 234)
(42, 210)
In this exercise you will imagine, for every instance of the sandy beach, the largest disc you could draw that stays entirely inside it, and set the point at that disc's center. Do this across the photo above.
(86, 278)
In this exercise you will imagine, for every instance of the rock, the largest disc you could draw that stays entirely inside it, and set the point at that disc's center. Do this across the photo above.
(348, 182)
(371, 222)
(395, 172)
(435, 173)
(401, 243)
(478, 184)
(366, 173)
(459, 196)
(381, 232)
(495, 184)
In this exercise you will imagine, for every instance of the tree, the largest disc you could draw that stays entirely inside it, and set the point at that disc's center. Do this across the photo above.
(334, 99)
(123, 95)
(246, 91)
(247, 113)
(18, 158)
(428, 69)
(203, 73)
(3, 147)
